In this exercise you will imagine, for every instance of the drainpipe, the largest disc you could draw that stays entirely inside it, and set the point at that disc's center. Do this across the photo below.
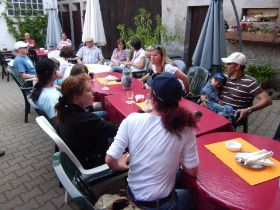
(238, 25)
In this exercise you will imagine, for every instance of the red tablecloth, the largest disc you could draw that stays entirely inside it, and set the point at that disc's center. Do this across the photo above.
(218, 187)
(118, 109)
(113, 89)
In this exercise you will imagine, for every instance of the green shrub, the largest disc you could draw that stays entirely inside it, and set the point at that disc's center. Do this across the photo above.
(144, 30)
(261, 73)
(36, 26)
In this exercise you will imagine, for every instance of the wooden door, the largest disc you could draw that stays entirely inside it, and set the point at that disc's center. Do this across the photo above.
(198, 15)
(77, 23)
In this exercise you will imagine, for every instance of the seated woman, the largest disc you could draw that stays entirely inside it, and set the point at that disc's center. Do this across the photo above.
(44, 94)
(161, 63)
(158, 143)
(137, 62)
(120, 54)
(65, 53)
(96, 107)
(85, 133)
(79, 69)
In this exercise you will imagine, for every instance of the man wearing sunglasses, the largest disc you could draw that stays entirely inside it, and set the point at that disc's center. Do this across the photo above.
(241, 89)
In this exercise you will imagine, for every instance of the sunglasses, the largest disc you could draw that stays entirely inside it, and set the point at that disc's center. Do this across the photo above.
(229, 64)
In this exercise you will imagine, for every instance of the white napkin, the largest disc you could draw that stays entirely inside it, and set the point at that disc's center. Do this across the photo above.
(259, 157)
(111, 78)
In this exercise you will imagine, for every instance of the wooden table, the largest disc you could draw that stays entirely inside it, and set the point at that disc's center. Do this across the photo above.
(218, 187)
(118, 109)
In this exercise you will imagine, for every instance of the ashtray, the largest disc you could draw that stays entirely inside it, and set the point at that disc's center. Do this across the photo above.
(233, 146)
(139, 98)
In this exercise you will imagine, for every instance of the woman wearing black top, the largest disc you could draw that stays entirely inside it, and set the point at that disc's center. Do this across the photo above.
(85, 133)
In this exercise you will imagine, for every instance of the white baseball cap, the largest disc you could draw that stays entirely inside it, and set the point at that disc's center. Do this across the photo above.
(20, 44)
(236, 57)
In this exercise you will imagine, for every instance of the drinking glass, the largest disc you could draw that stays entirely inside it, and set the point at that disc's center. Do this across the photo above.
(105, 85)
(130, 95)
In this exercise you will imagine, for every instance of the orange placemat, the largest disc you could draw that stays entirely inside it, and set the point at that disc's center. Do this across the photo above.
(251, 176)
(101, 80)
(141, 104)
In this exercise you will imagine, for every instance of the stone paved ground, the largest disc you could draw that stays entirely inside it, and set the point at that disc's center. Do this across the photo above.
(27, 178)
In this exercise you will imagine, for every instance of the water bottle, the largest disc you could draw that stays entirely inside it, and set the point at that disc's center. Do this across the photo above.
(126, 78)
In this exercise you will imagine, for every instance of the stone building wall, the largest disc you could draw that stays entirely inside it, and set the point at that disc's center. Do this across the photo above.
(176, 13)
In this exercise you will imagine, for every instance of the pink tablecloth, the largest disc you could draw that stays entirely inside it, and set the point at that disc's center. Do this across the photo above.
(113, 89)
(218, 187)
(118, 109)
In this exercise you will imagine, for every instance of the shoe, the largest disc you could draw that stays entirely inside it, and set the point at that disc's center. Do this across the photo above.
(2, 153)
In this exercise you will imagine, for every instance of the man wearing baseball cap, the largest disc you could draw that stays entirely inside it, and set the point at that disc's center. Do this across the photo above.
(89, 54)
(240, 89)
(22, 62)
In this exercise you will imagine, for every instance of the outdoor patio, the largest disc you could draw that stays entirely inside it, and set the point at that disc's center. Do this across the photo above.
(27, 178)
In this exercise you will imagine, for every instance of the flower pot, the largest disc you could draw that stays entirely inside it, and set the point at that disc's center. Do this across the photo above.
(254, 37)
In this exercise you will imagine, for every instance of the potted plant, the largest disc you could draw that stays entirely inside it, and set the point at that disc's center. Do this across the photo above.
(144, 31)
(262, 73)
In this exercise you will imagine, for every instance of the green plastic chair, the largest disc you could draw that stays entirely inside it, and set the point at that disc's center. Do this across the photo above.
(25, 87)
(198, 76)
(70, 177)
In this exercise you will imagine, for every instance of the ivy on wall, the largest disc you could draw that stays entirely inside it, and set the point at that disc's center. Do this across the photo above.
(36, 25)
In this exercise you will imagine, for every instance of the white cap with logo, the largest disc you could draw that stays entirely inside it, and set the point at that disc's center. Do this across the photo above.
(20, 44)
(237, 57)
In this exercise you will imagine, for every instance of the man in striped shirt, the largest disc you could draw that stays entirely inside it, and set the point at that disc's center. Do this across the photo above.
(240, 89)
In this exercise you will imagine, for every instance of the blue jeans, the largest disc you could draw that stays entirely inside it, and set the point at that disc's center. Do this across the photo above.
(180, 201)
(117, 69)
(102, 114)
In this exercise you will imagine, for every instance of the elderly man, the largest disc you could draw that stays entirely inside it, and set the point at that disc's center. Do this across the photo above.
(240, 89)
(90, 54)
(22, 62)
(31, 42)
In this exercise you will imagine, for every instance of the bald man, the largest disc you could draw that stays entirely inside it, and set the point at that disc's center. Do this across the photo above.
(31, 42)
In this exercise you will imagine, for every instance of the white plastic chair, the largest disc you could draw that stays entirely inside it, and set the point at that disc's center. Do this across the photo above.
(96, 173)
(49, 129)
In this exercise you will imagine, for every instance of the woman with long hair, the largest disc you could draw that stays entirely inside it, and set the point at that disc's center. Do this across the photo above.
(44, 94)
(86, 134)
(161, 63)
(158, 143)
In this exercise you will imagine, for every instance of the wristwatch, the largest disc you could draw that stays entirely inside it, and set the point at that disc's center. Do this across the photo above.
(249, 109)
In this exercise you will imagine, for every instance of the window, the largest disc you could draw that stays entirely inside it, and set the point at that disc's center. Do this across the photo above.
(25, 7)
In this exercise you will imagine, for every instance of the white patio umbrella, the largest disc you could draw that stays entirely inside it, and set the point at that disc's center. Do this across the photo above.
(93, 25)
(54, 27)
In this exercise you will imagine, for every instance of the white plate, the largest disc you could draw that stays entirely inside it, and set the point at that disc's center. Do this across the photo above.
(239, 158)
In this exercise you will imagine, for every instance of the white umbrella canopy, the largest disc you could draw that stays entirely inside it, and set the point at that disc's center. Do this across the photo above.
(93, 25)
(54, 29)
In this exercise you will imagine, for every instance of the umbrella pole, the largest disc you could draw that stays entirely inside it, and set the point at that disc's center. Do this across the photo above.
(238, 25)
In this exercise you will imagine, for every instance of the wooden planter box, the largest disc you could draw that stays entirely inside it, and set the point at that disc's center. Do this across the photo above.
(254, 37)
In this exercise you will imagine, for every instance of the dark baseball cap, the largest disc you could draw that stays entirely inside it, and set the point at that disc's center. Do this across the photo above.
(220, 77)
(166, 87)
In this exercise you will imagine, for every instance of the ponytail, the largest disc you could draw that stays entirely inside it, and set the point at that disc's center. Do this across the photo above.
(174, 118)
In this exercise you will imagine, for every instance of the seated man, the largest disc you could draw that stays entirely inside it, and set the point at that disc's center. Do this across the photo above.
(22, 62)
(240, 90)
(64, 41)
(90, 54)
(31, 42)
